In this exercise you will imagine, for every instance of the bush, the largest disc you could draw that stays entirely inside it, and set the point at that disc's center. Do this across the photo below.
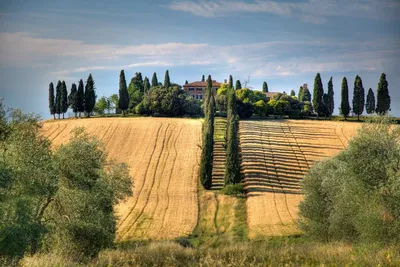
(234, 189)
(355, 196)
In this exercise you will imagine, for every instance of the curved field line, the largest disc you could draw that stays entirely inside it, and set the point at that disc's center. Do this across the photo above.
(266, 167)
(56, 128)
(106, 132)
(347, 139)
(297, 144)
(152, 184)
(66, 125)
(169, 180)
(147, 167)
(338, 137)
(112, 135)
(166, 157)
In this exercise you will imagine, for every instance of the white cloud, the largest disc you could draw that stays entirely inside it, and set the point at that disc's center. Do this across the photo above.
(277, 58)
(311, 11)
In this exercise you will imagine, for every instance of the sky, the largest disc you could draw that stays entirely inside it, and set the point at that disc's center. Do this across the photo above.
(284, 43)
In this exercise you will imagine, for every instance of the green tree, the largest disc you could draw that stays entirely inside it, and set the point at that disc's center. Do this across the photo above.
(230, 84)
(167, 82)
(383, 97)
(154, 80)
(64, 98)
(186, 82)
(300, 96)
(232, 164)
(370, 104)
(354, 196)
(331, 103)
(90, 95)
(208, 139)
(265, 87)
(344, 105)
(135, 90)
(203, 79)
(138, 82)
(358, 97)
(146, 84)
(58, 107)
(306, 95)
(292, 93)
(238, 85)
(80, 98)
(52, 106)
(114, 102)
(123, 101)
(318, 93)
(72, 99)
(102, 105)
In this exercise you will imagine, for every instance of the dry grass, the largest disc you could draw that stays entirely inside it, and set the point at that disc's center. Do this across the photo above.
(276, 154)
(163, 158)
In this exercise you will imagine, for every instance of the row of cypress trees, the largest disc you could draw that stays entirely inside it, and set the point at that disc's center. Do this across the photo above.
(323, 103)
(79, 100)
(207, 137)
(381, 106)
(232, 164)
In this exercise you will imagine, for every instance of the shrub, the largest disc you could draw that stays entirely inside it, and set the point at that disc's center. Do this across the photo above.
(233, 189)
(354, 196)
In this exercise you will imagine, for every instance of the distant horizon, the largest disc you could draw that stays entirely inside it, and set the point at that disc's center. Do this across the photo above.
(284, 43)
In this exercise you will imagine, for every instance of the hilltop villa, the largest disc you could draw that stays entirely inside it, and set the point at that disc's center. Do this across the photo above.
(198, 89)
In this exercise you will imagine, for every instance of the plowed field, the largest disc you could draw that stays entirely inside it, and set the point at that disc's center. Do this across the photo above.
(163, 157)
(276, 154)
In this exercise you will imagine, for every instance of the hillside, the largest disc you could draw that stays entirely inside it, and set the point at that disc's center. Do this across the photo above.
(163, 158)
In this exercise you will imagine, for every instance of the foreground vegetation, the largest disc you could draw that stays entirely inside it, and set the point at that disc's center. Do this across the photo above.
(273, 252)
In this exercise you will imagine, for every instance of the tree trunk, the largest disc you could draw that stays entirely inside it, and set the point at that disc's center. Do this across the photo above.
(63, 115)
(54, 115)
(58, 115)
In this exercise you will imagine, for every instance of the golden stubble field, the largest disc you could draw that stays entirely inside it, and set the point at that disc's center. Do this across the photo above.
(276, 155)
(163, 156)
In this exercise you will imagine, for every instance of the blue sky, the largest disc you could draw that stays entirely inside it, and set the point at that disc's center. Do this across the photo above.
(282, 42)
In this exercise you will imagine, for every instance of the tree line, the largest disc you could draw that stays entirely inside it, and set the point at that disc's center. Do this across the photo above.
(81, 99)
(324, 103)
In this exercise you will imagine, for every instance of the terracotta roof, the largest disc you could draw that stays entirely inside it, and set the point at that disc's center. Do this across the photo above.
(271, 94)
(202, 84)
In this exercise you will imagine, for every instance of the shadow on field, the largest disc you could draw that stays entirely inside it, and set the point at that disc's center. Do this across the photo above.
(275, 156)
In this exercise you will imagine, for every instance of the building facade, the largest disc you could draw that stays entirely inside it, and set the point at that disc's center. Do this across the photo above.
(197, 90)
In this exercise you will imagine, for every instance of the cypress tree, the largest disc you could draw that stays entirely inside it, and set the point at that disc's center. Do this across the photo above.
(370, 105)
(186, 82)
(232, 164)
(331, 104)
(167, 82)
(306, 95)
(292, 93)
(230, 84)
(318, 93)
(72, 99)
(58, 99)
(90, 95)
(154, 80)
(123, 100)
(265, 87)
(383, 97)
(238, 85)
(358, 97)
(344, 105)
(64, 98)
(80, 98)
(203, 79)
(146, 84)
(208, 139)
(52, 106)
(301, 94)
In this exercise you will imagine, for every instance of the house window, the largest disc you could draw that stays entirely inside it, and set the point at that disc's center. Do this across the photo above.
(200, 96)
(199, 89)
(191, 89)
(193, 96)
